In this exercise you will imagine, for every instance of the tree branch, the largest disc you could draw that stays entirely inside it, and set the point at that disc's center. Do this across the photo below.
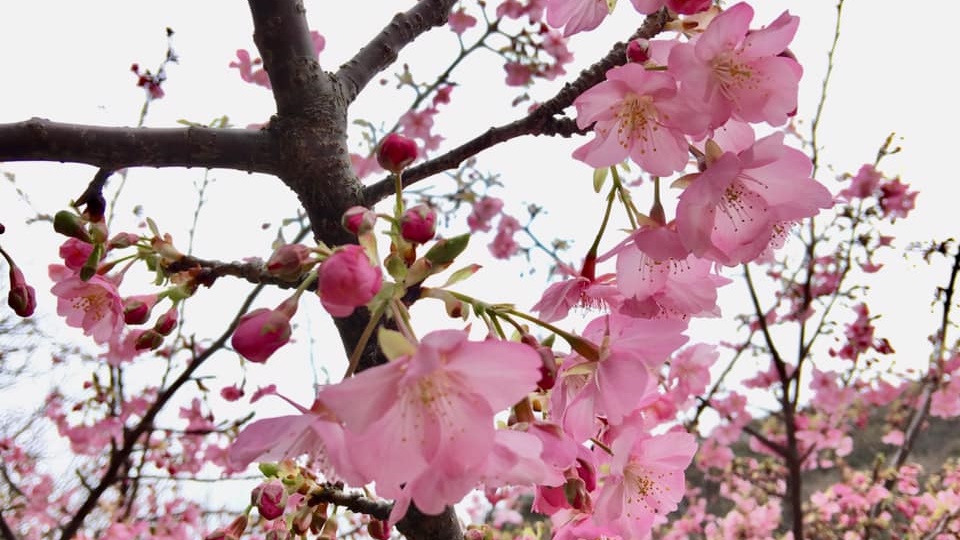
(540, 121)
(131, 436)
(282, 36)
(354, 501)
(115, 148)
(383, 49)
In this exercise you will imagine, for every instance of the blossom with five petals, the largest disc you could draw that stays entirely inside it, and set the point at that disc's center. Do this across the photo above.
(421, 426)
(636, 113)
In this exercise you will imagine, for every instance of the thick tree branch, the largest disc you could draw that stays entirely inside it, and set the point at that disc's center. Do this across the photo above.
(383, 49)
(541, 121)
(115, 148)
(282, 35)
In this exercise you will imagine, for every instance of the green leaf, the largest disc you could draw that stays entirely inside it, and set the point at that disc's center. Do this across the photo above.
(394, 344)
(599, 177)
(447, 249)
(461, 275)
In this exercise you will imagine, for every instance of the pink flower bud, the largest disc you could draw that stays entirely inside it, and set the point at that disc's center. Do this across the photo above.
(378, 529)
(75, 253)
(288, 261)
(123, 240)
(231, 393)
(359, 220)
(638, 51)
(270, 498)
(419, 224)
(347, 279)
(22, 298)
(232, 532)
(261, 332)
(167, 322)
(396, 152)
(136, 309)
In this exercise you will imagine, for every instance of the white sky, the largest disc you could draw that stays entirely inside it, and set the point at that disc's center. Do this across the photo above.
(69, 61)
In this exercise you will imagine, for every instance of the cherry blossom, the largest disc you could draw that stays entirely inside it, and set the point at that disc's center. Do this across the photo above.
(93, 305)
(645, 479)
(426, 419)
(740, 72)
(635, 113)
(743, 202)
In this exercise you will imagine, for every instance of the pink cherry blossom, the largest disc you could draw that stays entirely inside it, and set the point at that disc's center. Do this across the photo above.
(743, 202)
(503, 245)
(314, 432)
(75, 253)
(863, 184)
(578, 291)
(484, 210)
(93, 305)
(460, 21)
(645, 479)
(740, 72)
(576, 15)
(621, 381)
(347, 279)
(660, 278)
(896, 200)
(684, 7)
(635, 113)
(426, 419)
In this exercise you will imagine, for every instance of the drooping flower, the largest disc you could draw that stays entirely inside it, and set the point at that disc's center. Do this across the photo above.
(661, 279)
(93, 305)
(426, 419)
(745, 201)
(346, 280)
(22, 298)
(739, 72)
(635, 113)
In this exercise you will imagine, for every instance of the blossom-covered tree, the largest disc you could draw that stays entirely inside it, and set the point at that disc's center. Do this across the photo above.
(597, 427)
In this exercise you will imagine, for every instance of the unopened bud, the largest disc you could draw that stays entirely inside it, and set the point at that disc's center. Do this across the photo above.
(22, 298)
(270, 498)
(638, 50)
(288, 261)
(359, 220)
(69, 224)
(149, 339)
(396, 152)
(136, 309)
(419, 224)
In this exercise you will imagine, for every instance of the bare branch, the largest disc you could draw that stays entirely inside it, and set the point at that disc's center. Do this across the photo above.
(131, 436)
(541, 121)
(354, 501)
(383, 49)
(115, 148)
(283, 38)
